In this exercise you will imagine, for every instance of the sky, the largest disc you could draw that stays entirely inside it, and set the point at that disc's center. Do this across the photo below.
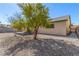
(55, 10)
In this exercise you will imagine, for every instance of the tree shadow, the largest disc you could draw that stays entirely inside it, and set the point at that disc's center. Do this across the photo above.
(45, 47)
(23, 33)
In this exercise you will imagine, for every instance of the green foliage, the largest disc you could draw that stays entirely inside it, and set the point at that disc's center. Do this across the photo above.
(37, 14)
(18, 22)
(34, 16)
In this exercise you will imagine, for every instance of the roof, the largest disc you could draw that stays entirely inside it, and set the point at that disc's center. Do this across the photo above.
(62, 18)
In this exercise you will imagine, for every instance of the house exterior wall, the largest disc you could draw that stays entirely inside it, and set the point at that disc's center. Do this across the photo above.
(59, 29)
(68, 23)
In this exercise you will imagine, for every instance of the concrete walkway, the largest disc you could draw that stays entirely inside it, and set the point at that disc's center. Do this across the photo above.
(71, 37)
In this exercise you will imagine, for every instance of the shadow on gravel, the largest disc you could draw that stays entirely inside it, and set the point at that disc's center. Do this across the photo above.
(45, 47)
(23, 33)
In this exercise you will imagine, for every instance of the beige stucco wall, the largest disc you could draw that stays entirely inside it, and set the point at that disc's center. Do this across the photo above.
(68, 23)
(59, 29)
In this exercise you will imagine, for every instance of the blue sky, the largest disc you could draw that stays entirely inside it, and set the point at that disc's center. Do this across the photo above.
(55, 10)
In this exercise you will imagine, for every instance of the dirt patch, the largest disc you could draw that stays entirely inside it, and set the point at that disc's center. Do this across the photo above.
(43, 47)
(27, 46)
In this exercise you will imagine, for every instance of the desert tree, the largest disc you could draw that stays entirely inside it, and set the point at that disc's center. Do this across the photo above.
(36, 15)
(17, 22)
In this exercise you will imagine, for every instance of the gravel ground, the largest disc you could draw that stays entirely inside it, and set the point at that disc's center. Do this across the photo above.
(44, 46)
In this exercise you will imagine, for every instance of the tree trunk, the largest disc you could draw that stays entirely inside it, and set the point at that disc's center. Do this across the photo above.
(35, 33)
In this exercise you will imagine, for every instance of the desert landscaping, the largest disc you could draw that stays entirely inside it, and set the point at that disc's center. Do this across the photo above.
(32, 32)
(46, 45)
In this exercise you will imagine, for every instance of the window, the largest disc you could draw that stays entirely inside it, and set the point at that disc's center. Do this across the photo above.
(51, 26)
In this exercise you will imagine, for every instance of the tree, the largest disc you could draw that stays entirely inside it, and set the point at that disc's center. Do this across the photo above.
(18, 22)
(36, 15)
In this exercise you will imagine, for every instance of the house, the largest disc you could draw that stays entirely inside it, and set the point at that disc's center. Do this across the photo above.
(5, 28)
(59, 26)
